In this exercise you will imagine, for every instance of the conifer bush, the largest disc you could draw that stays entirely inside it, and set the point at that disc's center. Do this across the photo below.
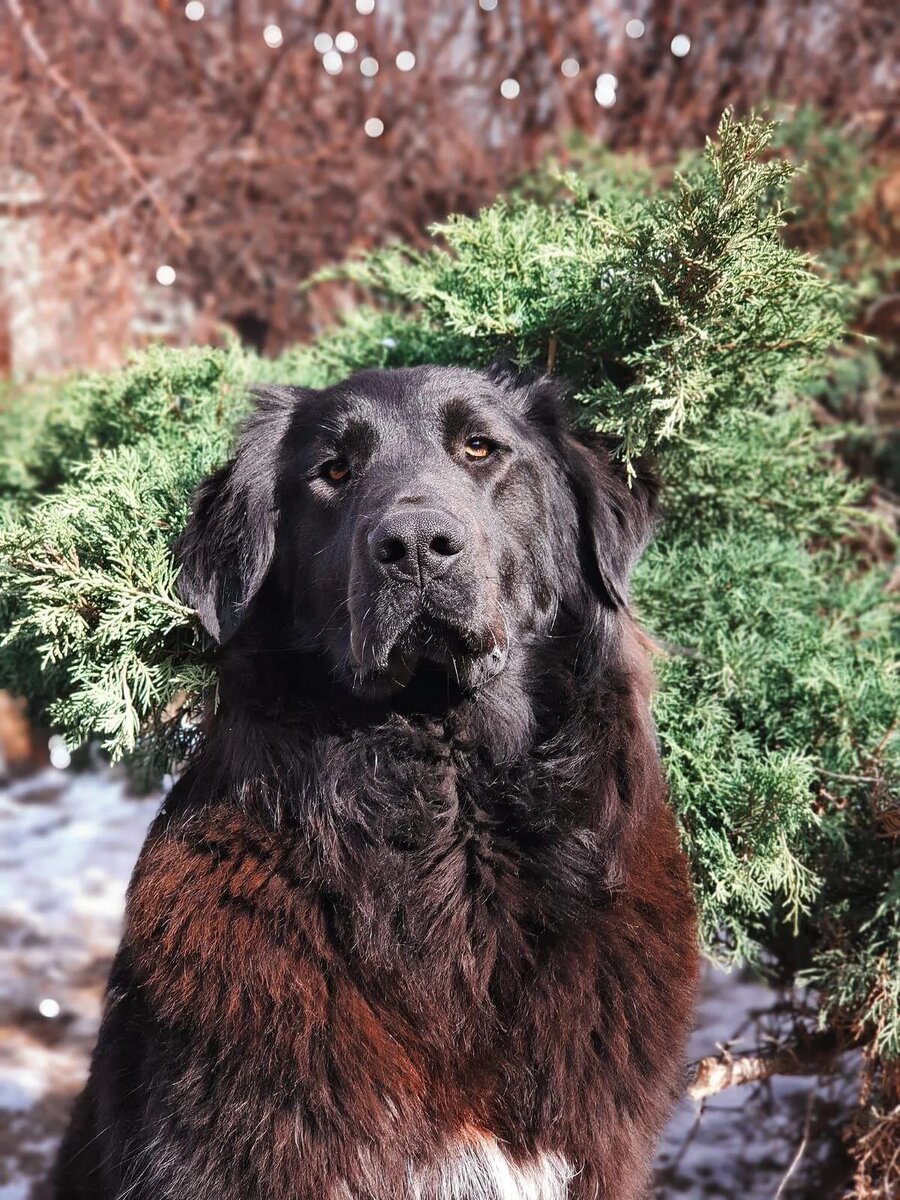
(691, 331)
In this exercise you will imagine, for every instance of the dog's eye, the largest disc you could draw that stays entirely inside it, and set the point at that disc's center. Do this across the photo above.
(479, 447)
(336, 470)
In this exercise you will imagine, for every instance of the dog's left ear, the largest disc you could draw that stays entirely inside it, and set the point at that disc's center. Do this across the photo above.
(616, 513)
(228, 544)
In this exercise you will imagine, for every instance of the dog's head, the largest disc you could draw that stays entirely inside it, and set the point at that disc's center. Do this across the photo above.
(412, 520)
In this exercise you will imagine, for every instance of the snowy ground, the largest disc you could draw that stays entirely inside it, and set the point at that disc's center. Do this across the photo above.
(67, 846)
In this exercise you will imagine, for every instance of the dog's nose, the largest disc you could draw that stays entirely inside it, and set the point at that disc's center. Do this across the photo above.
(417, 544)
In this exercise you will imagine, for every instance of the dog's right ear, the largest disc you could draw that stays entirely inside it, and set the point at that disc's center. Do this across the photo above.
(616, 514)
(228, 544)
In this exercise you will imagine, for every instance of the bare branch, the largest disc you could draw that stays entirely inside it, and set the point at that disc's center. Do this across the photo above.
(246, 167)
(86, 111)
(801, 1149)
(813, 1055)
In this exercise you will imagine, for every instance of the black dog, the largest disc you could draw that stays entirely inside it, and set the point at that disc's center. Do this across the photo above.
(414, 925)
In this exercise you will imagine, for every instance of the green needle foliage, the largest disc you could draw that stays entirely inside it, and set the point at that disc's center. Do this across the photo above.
(687, 327)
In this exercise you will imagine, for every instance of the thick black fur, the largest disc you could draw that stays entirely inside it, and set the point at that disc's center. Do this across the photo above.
(418, 901)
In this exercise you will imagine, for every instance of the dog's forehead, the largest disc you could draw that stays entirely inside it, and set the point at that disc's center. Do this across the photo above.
(417, 399)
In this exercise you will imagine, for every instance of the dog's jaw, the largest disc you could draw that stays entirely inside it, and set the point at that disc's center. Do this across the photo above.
(378, 667)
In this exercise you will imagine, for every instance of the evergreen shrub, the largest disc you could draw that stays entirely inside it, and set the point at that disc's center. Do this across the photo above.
(689, 329)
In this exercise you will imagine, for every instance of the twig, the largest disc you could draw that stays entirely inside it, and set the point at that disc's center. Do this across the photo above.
(849, 778)
(810, 1056)
(804, 1142)
(670, 1168)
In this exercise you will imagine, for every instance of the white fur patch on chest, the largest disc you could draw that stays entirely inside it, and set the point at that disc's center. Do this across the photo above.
(477, 1168)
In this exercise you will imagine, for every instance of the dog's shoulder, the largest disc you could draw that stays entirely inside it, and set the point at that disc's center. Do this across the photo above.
(221, 925)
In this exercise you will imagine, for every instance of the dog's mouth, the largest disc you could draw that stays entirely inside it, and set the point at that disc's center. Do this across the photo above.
(429, 645)
(436, 641)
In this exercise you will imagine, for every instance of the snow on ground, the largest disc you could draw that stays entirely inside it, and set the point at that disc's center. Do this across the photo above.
(67, 846)
(747, 1138)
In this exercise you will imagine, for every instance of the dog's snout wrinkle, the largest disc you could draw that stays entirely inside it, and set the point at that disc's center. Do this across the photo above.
(417, 544)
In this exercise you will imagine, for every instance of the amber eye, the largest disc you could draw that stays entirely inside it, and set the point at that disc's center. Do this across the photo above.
(336, 470)
(478, 447)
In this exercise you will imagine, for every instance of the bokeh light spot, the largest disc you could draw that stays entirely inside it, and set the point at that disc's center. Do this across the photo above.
(681, 45)
(605, 90)
(405, 60)
(509, 89)
(374, 127)
(165, 275)
(570, 67)
(634, 28)
(272, 36)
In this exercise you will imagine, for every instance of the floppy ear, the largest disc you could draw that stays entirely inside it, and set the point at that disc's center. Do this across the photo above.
(227, 547)
(616, 515)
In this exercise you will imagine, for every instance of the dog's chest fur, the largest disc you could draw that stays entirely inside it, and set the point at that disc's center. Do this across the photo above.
(477, 1168)
(447, 971)
(437, 903)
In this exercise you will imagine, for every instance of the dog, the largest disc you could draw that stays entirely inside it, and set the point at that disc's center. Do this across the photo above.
(414, 923)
